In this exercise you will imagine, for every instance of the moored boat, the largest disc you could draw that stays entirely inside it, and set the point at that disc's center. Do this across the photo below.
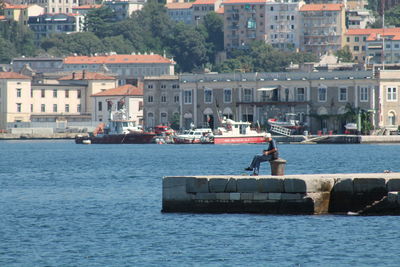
(193, 136)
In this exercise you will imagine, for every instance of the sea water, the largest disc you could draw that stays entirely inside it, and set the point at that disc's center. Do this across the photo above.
(63, 204)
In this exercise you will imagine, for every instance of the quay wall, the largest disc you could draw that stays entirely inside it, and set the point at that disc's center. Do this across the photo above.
(10, 136)
(290, 194)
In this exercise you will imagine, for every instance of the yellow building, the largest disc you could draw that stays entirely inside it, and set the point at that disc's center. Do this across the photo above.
(18, 13)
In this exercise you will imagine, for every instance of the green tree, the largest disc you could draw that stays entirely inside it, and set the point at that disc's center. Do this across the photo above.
(392, 17)
(7, 51)
(344, 54)
(100, 21)
(213, 27)
(118, 44)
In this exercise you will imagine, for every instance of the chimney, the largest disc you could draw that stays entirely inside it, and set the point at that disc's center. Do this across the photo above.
(73, 76)
(83, 74)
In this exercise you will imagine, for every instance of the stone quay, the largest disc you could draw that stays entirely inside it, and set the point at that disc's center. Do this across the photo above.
(355, 194)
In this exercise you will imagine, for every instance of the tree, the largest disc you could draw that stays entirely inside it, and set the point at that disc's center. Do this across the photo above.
(392, 17)
(344, 54)
(99, 21)
(7, 51)
(213, 27)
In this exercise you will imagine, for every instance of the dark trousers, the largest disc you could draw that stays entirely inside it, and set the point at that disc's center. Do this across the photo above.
(255, 164)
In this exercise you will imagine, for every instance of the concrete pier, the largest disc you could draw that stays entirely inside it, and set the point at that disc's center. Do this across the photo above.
(358, 193)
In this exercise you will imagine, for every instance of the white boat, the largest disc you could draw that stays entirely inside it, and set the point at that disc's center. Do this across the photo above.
(192, 136)
(233, 132)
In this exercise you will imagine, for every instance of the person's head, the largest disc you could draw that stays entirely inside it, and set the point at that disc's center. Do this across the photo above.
(268, 137)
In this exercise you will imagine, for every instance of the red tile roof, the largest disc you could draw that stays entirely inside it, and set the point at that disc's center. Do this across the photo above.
(204, 2)
(394, 33)
(12, 75)
(124, 90)
(116, 59)
(87, 7)
(179, 5)
(2, 17)
(244, 2)
(88, 76)
(322, 7)
(220, 10)
(8, 6)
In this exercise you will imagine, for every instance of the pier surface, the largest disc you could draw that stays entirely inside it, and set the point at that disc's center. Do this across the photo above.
(358, 193)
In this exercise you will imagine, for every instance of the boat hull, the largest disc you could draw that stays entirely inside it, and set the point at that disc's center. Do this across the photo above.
(133, 138)
(239, 139)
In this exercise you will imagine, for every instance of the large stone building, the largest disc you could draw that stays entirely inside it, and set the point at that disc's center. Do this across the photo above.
(319, 99)
(161, 100)
(202, 7)
(323, 28)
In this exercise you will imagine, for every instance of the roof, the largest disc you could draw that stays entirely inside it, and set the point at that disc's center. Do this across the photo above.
(88, 76)
(244, 2)
(124, 90)
(117, 59)
(373, 33)
(12, 75)
(2, 17)
(220, 10)
(322, 7)
(204, 2)
(185, 5)
(8, 6)
(87, 7)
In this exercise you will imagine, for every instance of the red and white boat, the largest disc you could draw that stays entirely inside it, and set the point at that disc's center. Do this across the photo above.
(233, 132)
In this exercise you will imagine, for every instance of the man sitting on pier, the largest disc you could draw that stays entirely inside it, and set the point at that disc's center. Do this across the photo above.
(269, 154)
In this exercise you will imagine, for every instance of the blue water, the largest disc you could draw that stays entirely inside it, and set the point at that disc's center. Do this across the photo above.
(63, 204)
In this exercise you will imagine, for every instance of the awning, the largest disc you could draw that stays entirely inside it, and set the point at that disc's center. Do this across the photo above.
(267, 88)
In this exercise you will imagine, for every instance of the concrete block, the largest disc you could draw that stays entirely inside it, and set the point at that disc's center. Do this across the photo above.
(294, 185)
(234, 196)
(222, 196)
(393, 184)
(270, 185)
(174, 188)
(274, 196)
(344, 185)
(205, 196)
(289, 196)
(247, 185)
(260, 196)
(246, 196)
(197, 185)
(368, 185)
(222, 185)
(321, 202)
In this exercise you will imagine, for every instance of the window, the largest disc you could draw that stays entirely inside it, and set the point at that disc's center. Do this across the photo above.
(19, 107)
(342, 94)
(348, 39)
(31, 92)
(163, 86)
(55, 93)
(187, 97)
(300, 94)
(100, 106)
(19, 92)
(140, 105)
(43, 93)
(176, 99)
(66, 93)
(78, 108)
(150, 86)
(109, 105)
(247, 95)
(227, 95)
(163, 99)
(163, 118)
(391, 118)
(54, 107)
(79, 93)
(208, 96)
(67, 108)
(322, 94)
(43, 108)
(391, 94)
(364, 94)
(356, 39)
(31, 107)
(150, 99)
(356, 48)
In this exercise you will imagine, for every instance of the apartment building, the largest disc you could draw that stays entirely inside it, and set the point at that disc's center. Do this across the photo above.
(369, 45)
(45, 25)
(123, 9)
(318, 99)
(129, 68)
(323, 28)
(128, 97)
(162, 100)
(84, 9)
(55, 6)
(202, 7)
(180, 12)
(18, 13)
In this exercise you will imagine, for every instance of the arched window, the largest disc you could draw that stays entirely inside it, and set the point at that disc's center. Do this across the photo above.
(391, 118)
(150, 120)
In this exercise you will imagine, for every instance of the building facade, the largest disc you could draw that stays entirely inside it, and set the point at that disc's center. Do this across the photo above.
(323, 28)
(202, 7)
(161, 100)
(123, 9)
(180, 12)
(37, 64)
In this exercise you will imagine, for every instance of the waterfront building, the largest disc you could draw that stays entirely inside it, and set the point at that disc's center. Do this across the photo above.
(128, 97)
(161, 100)
(129, 68)
(318, 99)
(180, 12)
(323, 28)
(369, 45)
(45, 25)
